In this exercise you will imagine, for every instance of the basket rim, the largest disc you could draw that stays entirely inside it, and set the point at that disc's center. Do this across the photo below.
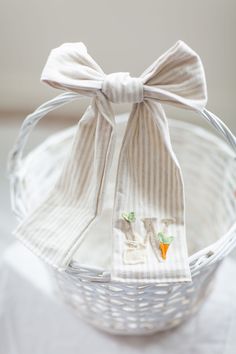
(177, 123)
(199, 259)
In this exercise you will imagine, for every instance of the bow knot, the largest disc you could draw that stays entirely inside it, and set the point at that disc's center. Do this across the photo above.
(121, 87)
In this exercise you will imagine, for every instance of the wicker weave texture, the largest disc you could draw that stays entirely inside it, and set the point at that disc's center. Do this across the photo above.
(134, 309)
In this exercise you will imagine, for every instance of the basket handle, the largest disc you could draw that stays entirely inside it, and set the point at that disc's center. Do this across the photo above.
(15, 156)
(221, 127)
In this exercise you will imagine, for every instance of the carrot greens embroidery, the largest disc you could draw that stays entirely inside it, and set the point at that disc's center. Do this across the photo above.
(130, 217)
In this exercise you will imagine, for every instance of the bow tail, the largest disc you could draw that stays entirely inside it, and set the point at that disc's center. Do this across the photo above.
(54, 230)
(149, 182)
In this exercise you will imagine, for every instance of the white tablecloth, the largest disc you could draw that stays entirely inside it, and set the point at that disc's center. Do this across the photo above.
(34, 321)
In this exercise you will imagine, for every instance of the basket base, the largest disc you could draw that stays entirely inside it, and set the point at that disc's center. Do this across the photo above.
(114, 327)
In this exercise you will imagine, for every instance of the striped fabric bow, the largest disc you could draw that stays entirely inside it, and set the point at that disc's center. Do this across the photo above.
(149, 180)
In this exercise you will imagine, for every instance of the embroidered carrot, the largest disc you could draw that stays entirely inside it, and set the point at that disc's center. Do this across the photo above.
(164, 243)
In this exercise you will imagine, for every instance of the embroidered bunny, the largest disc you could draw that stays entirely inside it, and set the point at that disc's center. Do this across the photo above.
(135, 251)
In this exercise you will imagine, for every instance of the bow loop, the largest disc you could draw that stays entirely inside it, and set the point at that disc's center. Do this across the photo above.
(177, 77)
(70, 67)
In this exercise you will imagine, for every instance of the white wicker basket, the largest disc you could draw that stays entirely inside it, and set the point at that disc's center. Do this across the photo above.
(209, 172)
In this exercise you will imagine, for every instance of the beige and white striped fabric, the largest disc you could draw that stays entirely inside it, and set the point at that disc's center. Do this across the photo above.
(149, 180)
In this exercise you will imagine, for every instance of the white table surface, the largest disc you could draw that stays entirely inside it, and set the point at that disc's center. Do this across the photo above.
(34, 321)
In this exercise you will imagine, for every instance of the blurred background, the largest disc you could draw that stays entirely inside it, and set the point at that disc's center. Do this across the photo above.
(121, 36)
